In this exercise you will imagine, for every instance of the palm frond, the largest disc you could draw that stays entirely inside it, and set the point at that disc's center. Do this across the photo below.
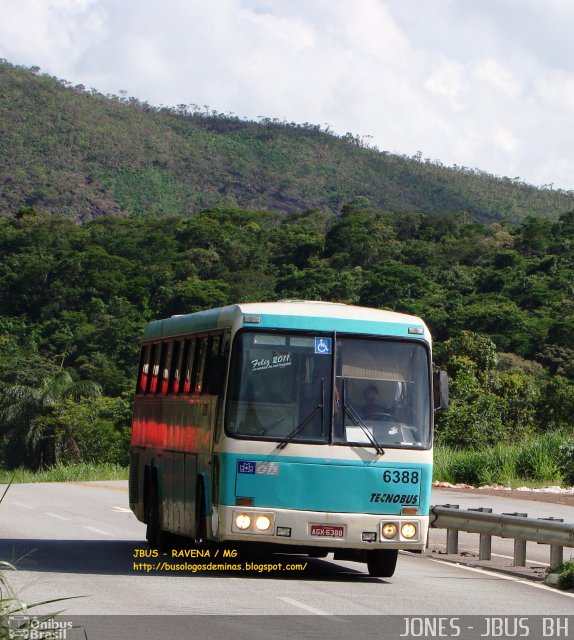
(84, 389)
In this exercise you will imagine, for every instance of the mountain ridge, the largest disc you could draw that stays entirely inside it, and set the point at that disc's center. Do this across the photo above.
(71, 151)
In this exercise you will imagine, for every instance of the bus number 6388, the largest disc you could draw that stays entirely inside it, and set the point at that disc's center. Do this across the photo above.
(401, 476)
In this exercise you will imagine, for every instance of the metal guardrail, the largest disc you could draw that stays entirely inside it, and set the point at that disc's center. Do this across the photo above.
(551, 531)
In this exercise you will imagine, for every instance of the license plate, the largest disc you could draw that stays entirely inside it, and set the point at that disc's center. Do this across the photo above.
(327, 531)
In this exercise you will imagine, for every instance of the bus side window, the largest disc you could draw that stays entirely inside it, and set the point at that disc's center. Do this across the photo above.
(154, 366)
(223, 358)
(175, 369)
(197, 380)
(167, 352)
(144, 368)
(211, 383)
(187, 366)
(225, 347)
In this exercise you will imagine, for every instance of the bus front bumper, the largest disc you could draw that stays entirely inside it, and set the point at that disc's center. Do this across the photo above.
(326, 530)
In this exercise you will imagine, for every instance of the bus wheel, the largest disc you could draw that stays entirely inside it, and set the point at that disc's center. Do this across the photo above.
(155, 535)
(382, 563)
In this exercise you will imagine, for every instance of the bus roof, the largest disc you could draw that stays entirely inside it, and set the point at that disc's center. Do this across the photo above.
(295, 315)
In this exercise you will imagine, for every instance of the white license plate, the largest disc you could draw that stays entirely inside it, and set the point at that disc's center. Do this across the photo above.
(327, 531)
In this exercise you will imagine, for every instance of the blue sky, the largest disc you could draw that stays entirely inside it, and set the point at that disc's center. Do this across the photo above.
(486, 84)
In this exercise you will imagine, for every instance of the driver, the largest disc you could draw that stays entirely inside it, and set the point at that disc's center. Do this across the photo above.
(371, 407)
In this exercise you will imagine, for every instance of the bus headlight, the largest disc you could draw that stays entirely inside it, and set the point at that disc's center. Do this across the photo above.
(242, 521)
(263, 523)
(389, 530)
(408, 530)
(252, 522)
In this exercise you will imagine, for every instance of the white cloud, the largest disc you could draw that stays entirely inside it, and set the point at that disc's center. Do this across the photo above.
(555, 90)
(500, 78)
(480, 83)
(446, 80)
(505, 139)
(48, 33)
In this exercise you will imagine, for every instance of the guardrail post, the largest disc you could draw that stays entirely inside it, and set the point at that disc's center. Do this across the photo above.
(556, 556)
(556, 551)
(514, 526)
(485, 546)
(452, 535)
(519, 545)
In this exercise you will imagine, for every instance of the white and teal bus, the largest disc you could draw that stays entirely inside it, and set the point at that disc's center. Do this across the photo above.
(305, 426)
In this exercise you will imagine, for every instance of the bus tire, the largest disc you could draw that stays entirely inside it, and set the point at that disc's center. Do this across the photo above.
(155, 535)
(382, 562)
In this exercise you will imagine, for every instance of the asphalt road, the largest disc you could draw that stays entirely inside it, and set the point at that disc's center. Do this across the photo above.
(79, 540)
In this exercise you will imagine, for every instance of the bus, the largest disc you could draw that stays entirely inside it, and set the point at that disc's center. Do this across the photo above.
(300, 426)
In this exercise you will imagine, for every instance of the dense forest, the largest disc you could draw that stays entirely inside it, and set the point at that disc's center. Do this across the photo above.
(70, 151)
(74, 300)
(114, 212)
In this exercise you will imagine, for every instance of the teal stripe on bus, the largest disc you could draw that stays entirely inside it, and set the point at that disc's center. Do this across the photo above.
(217, 318)
(317, 484)
(342, 325)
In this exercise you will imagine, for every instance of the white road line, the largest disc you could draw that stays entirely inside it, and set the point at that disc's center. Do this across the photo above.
(104, 533)
(500, 555)
(542, 564)
(120, 510)
(306, 607)
(25, 506)
(55, 515)
(496, 574)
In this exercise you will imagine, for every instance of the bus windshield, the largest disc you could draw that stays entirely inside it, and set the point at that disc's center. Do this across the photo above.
(346, 390)
(382, 392)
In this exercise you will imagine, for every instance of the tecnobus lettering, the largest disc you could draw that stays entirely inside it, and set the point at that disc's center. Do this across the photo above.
(395, 498)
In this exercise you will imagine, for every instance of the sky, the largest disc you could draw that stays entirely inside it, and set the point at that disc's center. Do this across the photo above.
(485, 84)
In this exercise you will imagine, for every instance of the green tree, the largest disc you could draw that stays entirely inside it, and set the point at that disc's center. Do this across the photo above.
(534, 236)
(475, 415)
(474, 418)
(478, 349)
(394, 286)
(91, 429)
(25, 416)
(359, 238)
(556, 406)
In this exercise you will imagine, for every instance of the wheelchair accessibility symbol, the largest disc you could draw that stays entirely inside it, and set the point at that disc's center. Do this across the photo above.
(323, 346)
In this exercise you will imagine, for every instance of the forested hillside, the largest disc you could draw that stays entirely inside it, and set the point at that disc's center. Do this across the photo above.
(74, 299)
(184, 209)
(70, 151)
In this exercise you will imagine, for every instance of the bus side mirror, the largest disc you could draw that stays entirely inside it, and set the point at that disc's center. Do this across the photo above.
(440, 390)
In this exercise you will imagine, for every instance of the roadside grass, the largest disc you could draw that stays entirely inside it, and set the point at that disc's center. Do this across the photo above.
(17, 620)
(566, 573)
(533, 462)
(66, 473)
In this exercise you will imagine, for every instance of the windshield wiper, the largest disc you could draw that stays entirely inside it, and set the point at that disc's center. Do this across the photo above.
(356, 418)
(306, 419)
